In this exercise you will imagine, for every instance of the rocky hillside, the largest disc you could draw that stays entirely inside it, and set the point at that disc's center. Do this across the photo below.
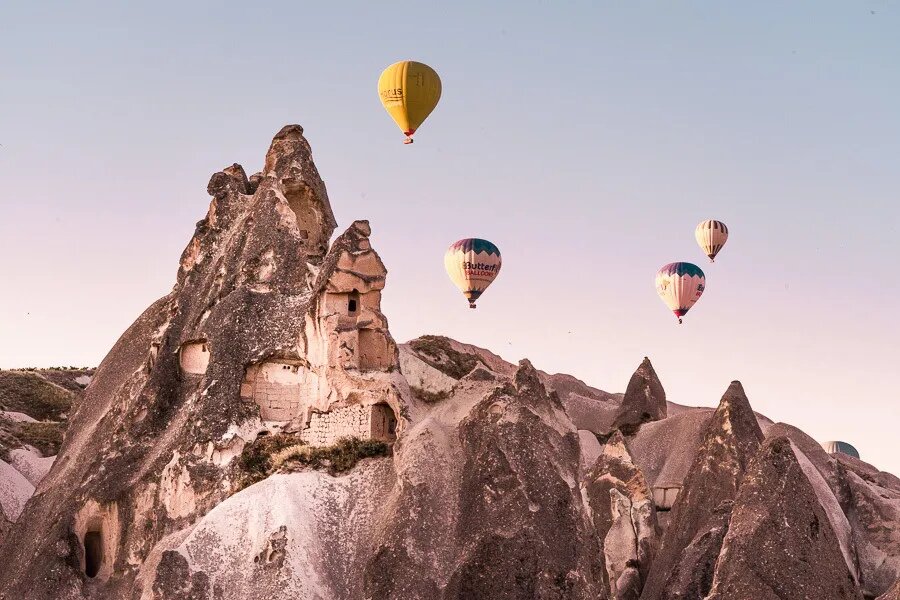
(34, 406)
(258, 434)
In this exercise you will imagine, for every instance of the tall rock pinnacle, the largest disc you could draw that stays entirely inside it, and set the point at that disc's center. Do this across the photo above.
(780, 543)
(730, 441)
(266, 330)
(645, 399)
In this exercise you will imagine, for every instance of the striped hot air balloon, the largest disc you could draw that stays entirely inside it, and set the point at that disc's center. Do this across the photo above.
(680, 285)
(472, 264)
(711, 235)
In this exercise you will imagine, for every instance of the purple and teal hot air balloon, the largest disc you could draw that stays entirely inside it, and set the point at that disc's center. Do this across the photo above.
(472, 265)
(680, 285)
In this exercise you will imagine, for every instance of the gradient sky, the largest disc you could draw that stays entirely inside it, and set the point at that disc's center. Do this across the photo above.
(585, 139)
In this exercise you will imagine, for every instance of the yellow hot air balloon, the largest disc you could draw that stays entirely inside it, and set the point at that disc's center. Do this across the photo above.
(711, 235)
(409, 91)
(472, 264)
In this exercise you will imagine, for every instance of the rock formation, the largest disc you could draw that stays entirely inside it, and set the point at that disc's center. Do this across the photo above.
(624, 518)
(266, 330)
(780, 543)
(201, 463)
(893, 593)
(645, 400)
(730, 441)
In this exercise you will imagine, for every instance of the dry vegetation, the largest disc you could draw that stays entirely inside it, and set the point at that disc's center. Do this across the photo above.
(282, 452)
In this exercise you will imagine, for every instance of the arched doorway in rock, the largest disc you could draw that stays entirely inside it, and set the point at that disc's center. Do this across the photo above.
(93, 552)
(383, 423)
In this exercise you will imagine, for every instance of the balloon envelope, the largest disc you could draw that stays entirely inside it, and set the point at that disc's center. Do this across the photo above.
(711, 235)
(409, 91)
(472, 265)
(680, 285)
(842, 447)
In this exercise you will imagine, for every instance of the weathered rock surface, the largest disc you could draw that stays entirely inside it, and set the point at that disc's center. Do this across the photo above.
(730, 441)
(645, 400)
(692, 576)
(503, 482)
(510, 512)
(266, 329)
(893, 593)
(299, 535)
(780, 543)
(873, 511)
(624, 519)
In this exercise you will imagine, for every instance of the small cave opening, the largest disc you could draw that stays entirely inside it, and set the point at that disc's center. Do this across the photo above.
(93, 553)
(353, 303)
(383, 423)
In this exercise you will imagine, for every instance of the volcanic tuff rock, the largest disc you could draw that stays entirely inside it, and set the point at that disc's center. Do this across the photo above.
(893, 593)
(645, 399)
(730, 441)
(179, 476)
(624, 517)
(692, 576)
(780, 543)
(265, 329)
(873, 512)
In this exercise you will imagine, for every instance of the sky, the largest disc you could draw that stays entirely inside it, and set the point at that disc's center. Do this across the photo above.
(585, 139)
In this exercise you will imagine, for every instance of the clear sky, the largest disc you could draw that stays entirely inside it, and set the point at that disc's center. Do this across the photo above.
(586, 139)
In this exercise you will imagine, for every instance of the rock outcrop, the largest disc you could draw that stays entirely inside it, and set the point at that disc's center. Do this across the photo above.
(645, 400)
(266, 330)
(780, 543)
(507, 500)
(205, 459)
(730, 441)
(893, 593)
(624, 519)
(873, 511)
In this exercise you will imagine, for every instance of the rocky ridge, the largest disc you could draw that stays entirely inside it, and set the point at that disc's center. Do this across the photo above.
(503, 481)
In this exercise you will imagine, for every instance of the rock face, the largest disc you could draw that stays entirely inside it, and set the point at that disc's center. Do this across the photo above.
(179, 477)
(265, 330)
(33, 408)
(692, 577)
(780, 543)
(730, 441)
(624, 518)
(893, 593)
(873, 511)
(645, 400)
(508, 501)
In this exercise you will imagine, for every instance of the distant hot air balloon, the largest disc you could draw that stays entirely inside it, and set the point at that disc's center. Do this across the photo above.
(680, 285)
(409, 91)
(472, 264)
(711, 235)
(842, 447)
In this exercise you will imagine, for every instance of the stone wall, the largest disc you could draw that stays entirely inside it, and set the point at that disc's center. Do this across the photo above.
(282, 389)
(365, 422)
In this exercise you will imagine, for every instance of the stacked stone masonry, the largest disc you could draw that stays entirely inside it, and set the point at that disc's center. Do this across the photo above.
(375, 422)
(281, 389)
